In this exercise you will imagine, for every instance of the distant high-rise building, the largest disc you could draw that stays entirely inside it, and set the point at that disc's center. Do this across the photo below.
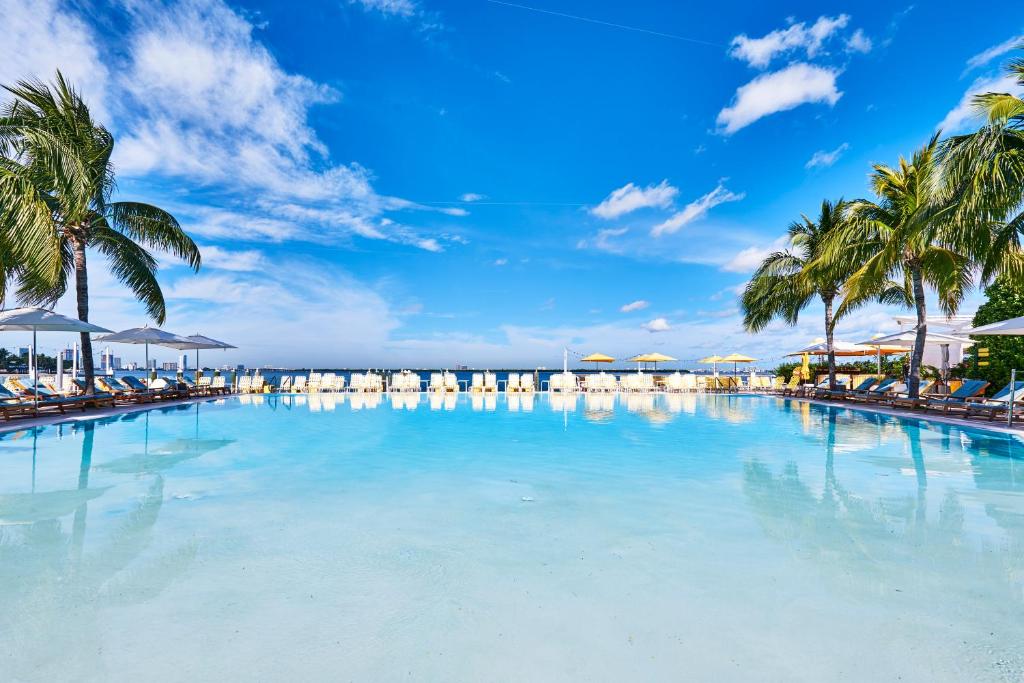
(169, 365)
(183, 362)
(22, 350)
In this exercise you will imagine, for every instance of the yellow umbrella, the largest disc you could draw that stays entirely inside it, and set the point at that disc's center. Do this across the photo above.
(597, 358)
(714, 360)
(652, 358)
(735, 358)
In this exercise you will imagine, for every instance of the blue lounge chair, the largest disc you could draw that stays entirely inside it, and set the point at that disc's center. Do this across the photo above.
(861, 387)
(877, 393)
(997, 405)
(970, 389)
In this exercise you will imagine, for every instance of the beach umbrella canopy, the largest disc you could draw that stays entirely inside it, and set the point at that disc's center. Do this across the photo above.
(197, 342)
(34, 320)
(1012, 328)
(736, 358)
(840, 348)
(901, 342)
(147, 335)
(597, 358)
(714, 360)
(652, 358)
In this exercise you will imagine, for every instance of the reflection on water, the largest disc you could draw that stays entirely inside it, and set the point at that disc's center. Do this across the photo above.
(824, 530)
(927, 525)
(55, 579)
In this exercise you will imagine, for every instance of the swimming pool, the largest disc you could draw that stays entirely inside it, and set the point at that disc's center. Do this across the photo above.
(654, 538)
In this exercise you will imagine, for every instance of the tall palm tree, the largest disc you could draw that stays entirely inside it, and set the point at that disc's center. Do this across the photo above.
(56, 184)
(909, 234)
(984, 170)
(786, 283)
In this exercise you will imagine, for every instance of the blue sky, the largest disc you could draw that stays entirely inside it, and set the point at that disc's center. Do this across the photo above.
(414, 182)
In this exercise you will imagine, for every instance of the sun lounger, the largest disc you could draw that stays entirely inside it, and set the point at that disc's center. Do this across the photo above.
(526, 383)
(451, 383)
(512, 383)
(477, 383)
(971, 388)
(996, 406)
(861, 387)
(880, 392)
(490, 383)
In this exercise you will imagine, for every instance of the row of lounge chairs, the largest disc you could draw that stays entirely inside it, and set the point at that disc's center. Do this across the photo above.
(20, 398)
(966, 401)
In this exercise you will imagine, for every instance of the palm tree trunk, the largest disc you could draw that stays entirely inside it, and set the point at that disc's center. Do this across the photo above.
(829, 325)
(82, 294)
(916, 356)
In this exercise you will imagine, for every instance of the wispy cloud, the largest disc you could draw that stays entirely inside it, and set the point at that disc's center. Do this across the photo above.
(501, 262)
(759, 52)
(696, 209)
(747, 260)
(823, 159)
(42, 38)
(602, 240)
(630, 197)
(472, 197)
(859, 42)
(964, 113)
(986, 56)
(202, 99)
(400, 8)
(777, 91)
(637, 305)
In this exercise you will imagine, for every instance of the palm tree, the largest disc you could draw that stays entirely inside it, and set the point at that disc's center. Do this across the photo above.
(985, 172)
(909, 234)
(786, 283)
(56, 184)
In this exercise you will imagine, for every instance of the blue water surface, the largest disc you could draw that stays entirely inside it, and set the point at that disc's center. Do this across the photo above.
(537, 538)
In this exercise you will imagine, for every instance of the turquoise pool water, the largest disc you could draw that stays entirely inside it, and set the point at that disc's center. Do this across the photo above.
(634, 538)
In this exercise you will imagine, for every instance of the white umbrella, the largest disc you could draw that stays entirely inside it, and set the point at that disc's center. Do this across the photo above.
(907, 337)
(41, 320)
(1012, 328)
(145, 335)
(197, 342)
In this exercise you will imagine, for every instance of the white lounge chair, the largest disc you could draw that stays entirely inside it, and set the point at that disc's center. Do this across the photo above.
(299, 384)
(526, 383)
(313, 384)
(245, 384)
(490, 383)
(512, 383)
(283, 386)
(436, 382)
(357, 382)
(477, 385)
(451, 383)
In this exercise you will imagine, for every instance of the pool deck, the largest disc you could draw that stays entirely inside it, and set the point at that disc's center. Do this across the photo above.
(999, 426)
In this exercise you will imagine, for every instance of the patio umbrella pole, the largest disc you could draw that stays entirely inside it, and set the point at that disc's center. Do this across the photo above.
(35, 373)
(1009, 404)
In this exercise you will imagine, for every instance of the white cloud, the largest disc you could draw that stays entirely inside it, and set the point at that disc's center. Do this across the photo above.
(777, 91)
(209, 103)
(986, 56)
(823, 159)
(42, 36)
(696, 209)
(401, 8)
(748, 260)
(630, 197)
(964, 114)
(472, 197)
(603, 240)
(859, 42)
(637, 305)
(248, 260)
(501, 262)
(657, 325)
(759, 52)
